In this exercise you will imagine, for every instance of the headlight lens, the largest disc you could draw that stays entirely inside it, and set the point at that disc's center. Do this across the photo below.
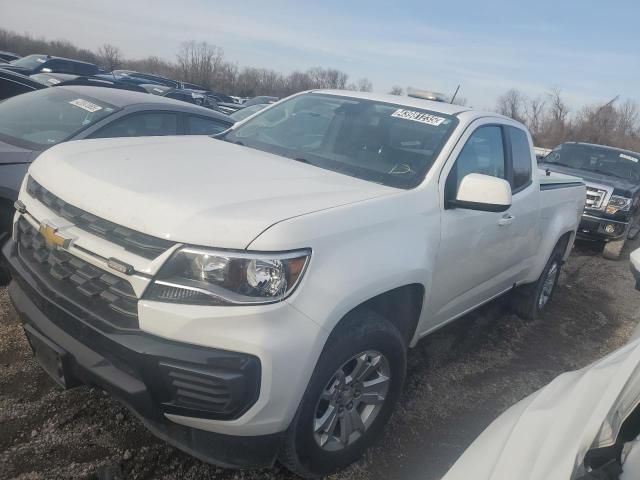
(617, 203)
(209, 277)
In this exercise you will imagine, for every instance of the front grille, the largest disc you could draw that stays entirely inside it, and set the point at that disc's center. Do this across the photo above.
(110, 298)
(595, 198)
(135, 242)
(198, 389)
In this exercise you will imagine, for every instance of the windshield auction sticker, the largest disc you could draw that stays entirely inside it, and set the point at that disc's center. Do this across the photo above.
(86, 105)
(418, 117)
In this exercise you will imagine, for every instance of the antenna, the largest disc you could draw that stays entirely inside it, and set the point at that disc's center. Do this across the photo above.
(455, 93)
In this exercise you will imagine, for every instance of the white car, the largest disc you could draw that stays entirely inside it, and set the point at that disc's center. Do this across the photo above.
(253, 297)
(635, 266)
(584, 425)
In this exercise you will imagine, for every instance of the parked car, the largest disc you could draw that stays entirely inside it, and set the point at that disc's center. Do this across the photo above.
(254, 296)
(229, 107)
(243, 113)
(635, 266)
(192, 86)
(260, 100)
(155, 88)
(47, 64)
(584, 425)
(8, 56)
(196, 97)
(612, 209)
(34, 122)
(12, 84)
(157, 79)
(541, 152)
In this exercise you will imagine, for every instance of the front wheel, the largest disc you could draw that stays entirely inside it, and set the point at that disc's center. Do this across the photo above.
(350, 396)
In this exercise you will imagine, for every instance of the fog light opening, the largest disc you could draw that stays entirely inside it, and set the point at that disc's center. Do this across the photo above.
(610, 228)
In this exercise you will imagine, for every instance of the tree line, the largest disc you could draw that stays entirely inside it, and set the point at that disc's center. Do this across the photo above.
(551, 121)
(196, 62)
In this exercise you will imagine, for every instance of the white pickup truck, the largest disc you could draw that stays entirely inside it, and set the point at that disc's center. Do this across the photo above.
(253, 297)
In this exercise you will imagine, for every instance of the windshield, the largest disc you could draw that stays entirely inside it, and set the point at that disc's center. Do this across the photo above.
(374, 141)
(30, 61)
(46, 117)
(597, 159)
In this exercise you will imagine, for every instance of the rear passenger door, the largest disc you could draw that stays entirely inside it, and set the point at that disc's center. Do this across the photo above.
(149, 124)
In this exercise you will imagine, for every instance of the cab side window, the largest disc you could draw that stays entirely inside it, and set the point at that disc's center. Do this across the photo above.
(483, 153)
(521, 156)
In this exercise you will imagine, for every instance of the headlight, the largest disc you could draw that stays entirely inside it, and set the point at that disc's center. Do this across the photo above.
(617, 203)
(208, 277)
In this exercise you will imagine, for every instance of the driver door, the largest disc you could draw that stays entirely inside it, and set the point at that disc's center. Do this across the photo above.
(473, 264)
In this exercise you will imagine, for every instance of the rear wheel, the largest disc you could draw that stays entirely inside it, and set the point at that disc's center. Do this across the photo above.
(350, 396)
(529, 301)
(613, 249)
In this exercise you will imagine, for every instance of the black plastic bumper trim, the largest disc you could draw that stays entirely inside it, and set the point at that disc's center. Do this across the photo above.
(127, 366)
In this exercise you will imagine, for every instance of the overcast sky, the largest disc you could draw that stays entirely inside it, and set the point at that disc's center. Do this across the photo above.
(589, 49)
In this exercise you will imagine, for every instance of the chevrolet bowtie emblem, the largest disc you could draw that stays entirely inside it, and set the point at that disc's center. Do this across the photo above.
(52, 237)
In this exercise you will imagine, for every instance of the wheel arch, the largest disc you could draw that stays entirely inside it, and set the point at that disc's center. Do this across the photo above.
(400, 306)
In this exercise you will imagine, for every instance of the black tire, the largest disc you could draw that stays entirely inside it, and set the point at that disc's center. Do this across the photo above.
(361, 331)
(5, 277)
(526, 299)
(613, 249)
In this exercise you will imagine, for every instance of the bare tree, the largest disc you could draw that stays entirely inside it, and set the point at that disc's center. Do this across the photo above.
(534, 113)
(364, 85)
(110, 56)
(512, 104)
(396, 90)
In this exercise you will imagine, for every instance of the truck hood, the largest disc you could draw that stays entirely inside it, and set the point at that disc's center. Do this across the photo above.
(14, 154)
(193, 190)
(547, 435)
(621, 186)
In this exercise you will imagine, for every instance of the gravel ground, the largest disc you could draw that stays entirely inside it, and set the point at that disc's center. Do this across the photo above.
(459, 380)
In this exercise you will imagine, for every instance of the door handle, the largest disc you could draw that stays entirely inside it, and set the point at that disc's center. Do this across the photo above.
(507, 219)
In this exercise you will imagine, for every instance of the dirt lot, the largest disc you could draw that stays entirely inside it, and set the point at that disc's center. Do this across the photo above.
(459, 380)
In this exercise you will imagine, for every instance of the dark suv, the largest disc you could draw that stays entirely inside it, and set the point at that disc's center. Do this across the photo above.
(46, 64)
(612, 175)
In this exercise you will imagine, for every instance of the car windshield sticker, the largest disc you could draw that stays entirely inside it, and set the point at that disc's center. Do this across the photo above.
(85, 105)
(53, 81)
(159, 90)
(418, 117)
(629, 157)
(40, 60)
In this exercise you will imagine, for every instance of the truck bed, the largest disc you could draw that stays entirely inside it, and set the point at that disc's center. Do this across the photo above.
(557, 180)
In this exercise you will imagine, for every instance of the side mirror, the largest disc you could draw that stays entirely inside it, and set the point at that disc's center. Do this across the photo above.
(483, 192)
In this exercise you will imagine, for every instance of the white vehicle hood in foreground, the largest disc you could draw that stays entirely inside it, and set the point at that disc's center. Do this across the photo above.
(546, 435)
(192, 189)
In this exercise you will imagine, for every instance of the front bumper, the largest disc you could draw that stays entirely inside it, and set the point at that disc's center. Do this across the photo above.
(152, 376)
(594, 227)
